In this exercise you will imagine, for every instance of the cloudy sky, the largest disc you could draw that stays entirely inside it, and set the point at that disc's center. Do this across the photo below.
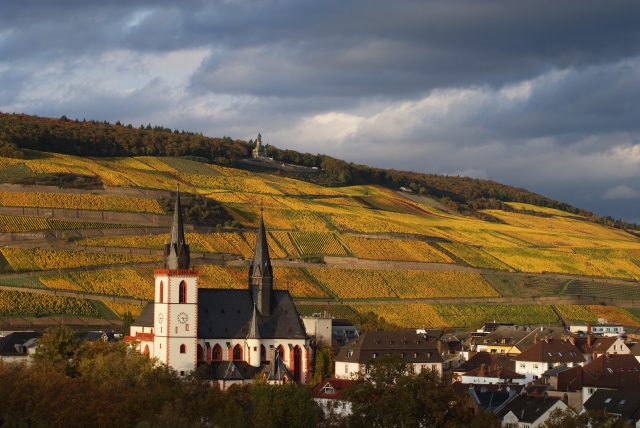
(543, 95)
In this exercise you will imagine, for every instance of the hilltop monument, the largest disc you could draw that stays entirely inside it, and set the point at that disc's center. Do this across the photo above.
(259, 152)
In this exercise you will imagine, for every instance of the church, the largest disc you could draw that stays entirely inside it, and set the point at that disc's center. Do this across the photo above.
(236, 334)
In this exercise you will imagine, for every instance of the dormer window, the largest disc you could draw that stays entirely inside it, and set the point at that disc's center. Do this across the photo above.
(415, 355)
(350, 353)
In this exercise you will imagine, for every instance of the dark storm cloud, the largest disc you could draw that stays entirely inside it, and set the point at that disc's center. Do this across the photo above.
(542, 95)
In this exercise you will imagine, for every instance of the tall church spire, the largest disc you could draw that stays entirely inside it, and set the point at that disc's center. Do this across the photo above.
(176, 251)
(261, 273)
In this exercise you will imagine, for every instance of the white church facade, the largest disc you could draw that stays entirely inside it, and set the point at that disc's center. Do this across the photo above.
(236, 334)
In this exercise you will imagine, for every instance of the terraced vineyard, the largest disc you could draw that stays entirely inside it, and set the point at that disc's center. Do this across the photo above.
(408, 251)
(15, 303)
(394, 249)
(23, 260)
(310, 243)
(405, 284)
(32, 224)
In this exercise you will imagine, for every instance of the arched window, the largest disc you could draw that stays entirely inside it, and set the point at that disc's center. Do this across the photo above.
(216, 354)
(161, 292)
(237, 353)
(281, 352)
(183, 292)
(200, 353)
(183, 349)
(146, 350)
(297, 364)
(263, 353)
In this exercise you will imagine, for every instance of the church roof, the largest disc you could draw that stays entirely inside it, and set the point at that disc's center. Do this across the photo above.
(261, 263)
(145, 319)
(227, 314)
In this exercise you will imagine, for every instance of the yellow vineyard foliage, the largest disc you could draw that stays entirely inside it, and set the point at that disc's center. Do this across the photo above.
(615, 315)
(577, 313)
(475, 316)
(284, 240)
(28, 260)
(317, 243)
(394, 249)
(475, 256)
(406, 284)
(115, 282)
(233, 184)
(406, 316)
(121, 308)
(80, 201)
(18, 303)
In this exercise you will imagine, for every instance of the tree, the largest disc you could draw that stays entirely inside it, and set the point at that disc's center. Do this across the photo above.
(324, 363)
(389, 395)
(61, 349)
(289, 405)
(569, 419)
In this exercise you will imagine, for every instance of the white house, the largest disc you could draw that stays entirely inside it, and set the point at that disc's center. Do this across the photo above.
(413, 348)
(603, 328)
(546, 354)
(329, 396)
(527, 411)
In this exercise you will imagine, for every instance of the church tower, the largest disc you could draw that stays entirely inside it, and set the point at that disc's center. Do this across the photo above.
(261, 273)
(176, 302)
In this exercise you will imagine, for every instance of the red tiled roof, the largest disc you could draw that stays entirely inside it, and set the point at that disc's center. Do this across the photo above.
(614, 363)
(552, 350)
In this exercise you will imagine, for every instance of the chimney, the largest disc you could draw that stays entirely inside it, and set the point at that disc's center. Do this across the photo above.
(572, 340)
(546, 338)
(535, 339)
(589, 340)
(595, 355)
(482, 371)
(565, 398)
(588, 329)
(607, 354)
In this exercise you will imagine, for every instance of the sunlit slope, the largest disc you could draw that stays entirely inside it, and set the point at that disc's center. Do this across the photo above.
(428, 253)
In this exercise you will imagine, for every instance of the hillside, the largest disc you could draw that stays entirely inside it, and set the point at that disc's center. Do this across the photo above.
(87, 256)
(81, 138)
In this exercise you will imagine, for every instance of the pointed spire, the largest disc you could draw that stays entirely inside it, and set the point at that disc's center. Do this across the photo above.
(261, 273)
(253, 328)
(177, 228)
(176, 251)
(261, 264)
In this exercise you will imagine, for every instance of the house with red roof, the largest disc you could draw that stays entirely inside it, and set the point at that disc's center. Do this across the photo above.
(329, 396)
(546, 354)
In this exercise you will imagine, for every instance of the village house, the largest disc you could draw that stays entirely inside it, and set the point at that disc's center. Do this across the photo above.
(513, 339)
(329, 396)
(18, 346)
(546, 354)
(625, 404)
(492, 374)
(603, 328)
(612, 372)
(487, 398)
(529, 411)
(412, 347)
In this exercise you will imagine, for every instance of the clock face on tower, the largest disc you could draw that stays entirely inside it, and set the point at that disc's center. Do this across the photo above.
(183, 318)
(160, 318)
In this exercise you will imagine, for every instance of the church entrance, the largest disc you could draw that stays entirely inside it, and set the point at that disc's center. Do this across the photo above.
(297, 364)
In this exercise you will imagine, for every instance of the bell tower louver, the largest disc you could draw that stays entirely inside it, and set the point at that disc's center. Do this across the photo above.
(261, 273)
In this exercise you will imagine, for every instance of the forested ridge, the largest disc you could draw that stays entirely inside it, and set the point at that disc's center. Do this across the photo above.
(102, 139)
